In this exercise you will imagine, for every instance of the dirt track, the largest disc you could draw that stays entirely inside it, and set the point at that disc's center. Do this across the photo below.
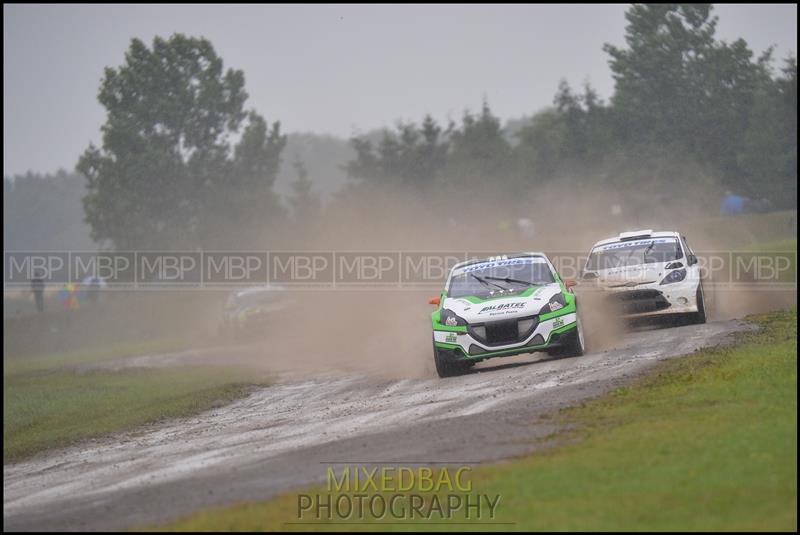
(280, 438)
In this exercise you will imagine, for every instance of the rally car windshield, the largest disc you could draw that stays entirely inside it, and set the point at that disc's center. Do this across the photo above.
(621, 254)
(489, 278)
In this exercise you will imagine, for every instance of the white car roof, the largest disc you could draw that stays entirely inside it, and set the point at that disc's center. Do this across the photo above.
(257, 289)
(639, 234)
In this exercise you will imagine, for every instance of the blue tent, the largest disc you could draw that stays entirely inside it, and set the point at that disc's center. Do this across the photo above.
(733, 204)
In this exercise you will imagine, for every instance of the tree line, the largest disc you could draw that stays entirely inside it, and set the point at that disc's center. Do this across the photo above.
(680, 95)
(44, 213)
(183, 162)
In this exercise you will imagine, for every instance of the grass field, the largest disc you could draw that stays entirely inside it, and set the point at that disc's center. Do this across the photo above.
(704, 442)
(50, 401)
(119, 319)
(748, 232)
(98, 353)
(54, 408)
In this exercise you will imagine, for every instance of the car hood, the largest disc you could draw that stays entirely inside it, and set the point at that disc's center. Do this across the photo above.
(632, 276)
(520, 304)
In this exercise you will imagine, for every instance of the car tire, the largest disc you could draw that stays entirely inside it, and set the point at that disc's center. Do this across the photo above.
(577, 343)
(573, 344)
(700, 316)
(446, 365)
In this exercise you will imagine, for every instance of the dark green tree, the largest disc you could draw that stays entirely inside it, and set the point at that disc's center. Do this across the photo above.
(410, 156)
(566, 139)
(676, 86)
(480, 154)
(304, 201)
(542, 146)
(770, 154)
(243, 202)
(655, 97)
(167, 174)
(430, 153)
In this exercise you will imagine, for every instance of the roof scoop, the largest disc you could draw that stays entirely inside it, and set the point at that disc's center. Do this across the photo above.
(635, 234)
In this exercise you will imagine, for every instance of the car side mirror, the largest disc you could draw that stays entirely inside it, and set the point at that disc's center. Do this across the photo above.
(434, 301)
(569, 283)
(691, 259)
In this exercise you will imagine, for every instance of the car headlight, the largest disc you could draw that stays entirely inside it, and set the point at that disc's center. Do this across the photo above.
(675, 276)
(449, 318)
(557, 302)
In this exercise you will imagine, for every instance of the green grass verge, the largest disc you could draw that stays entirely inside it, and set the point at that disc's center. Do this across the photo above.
(46, 408)
(751, 231)
(705, 442)
(780, 246)
(13, 365)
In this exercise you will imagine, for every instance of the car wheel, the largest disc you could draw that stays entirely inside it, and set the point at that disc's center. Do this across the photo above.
(577, 343)
(700, 315)
(446, 364)
(573, 345)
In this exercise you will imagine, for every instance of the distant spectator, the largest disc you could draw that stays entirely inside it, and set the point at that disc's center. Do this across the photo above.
(760, 205)
(526, 227)
(92, 286)
(37, 287)
(733, 204)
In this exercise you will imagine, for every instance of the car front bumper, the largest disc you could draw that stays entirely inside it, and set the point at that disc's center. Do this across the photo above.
(546, 334)
(653, 299)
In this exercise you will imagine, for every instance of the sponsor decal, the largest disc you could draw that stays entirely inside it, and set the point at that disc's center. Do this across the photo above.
(502, 307)
(451, 321)
(451, 338)
(638, 243)
(500, 263)
(558, 322)
(555, 305)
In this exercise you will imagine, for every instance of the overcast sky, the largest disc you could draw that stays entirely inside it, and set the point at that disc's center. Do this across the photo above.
(327, 69)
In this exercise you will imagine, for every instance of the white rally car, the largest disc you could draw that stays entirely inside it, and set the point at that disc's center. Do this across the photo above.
(647, 273)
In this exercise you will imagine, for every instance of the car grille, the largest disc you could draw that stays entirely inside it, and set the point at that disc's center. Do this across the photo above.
(640, 301)
(497, 333)
(502, 332)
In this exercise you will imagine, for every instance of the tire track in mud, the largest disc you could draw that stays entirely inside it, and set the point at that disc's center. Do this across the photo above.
(274, 439)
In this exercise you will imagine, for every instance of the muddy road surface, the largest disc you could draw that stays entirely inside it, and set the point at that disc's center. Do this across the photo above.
(284, 436)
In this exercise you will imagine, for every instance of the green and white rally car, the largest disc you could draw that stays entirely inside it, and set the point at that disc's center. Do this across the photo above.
(504, 306)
